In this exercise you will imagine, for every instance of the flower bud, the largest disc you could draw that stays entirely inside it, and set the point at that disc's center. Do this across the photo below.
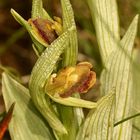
(46, 30)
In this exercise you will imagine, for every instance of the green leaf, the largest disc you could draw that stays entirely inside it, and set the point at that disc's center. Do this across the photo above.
(38, 11)
(71, 51)
(99, 122)
(116, 57)
(26, 123)
(40, 74)
(46, 15)
(105, 18)
(71, 117)
(118, 74)
(136, 92)
(37, 8)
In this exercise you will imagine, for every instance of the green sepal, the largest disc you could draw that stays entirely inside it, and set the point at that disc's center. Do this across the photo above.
(39, 44)
(75, 102)
(26, 123)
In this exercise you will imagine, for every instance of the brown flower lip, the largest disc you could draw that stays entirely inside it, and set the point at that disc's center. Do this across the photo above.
(44, 29)
(72, 79)
(81, 87)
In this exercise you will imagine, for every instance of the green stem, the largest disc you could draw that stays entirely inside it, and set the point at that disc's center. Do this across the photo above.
(126, 119)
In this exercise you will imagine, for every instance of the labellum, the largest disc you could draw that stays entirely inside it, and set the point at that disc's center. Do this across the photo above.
(46, 30)
(71, 80)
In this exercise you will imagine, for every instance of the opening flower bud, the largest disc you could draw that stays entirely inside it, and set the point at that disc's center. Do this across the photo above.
(46, 30)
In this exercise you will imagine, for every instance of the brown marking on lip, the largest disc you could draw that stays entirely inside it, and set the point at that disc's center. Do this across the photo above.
(81, 87)
(44, 29)
(88, 83)
(70, 80)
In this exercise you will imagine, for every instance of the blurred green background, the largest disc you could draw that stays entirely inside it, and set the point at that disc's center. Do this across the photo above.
(16, 46)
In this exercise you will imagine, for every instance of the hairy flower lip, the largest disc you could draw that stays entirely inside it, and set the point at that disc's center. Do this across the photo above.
(70, 80)
(82, 86)
(43, 28)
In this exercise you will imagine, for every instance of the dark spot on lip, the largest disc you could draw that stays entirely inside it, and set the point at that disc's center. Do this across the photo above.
(85, 83)
(41, 32)
(80, 87)
(48, 35)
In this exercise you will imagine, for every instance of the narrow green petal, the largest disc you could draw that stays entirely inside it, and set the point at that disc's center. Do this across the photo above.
(40, 45)
(20, 20)
(71, 52)
(46, 15)
(37, 8)
(38, 11)
(26, 123)
(75, 102)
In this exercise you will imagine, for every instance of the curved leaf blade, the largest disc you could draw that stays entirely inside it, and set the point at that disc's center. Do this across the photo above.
(118, 74)
(136, 102)
(99, 122)
(105, 18)
(26, 122)
(40, 74)
(73, 116)
(37, 8)
(71, 51)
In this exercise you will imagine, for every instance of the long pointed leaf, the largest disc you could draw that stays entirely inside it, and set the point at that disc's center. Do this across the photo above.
(38, 11)
(71, 117)
(71, 51)
(118, 74)
(40, 74)
(105, 19)
(99, 122)
(26, 123)
(37, 8)
(136, 102)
